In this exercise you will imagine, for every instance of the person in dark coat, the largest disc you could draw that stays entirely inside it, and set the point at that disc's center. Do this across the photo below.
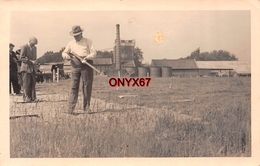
(29, 69)
(39, 77)
(13, 67)
(19, 75)
(54, 67)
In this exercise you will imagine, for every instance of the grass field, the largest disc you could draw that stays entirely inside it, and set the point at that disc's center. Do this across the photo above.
(173, 117)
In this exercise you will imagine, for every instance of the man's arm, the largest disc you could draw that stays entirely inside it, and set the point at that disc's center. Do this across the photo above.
(23, 54)
(92, 51)
(84, 61)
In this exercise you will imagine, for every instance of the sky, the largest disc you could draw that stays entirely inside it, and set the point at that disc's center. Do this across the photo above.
(182, 31)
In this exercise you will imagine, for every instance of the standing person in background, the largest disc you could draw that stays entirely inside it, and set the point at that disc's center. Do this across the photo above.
(85, 49)
(13, 66)
(28, 69)
(19, 75)
(54, 67)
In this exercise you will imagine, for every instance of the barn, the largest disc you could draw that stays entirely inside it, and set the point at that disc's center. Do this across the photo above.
(224, 68)
(102, 64)
(180, 67)
(193, 68)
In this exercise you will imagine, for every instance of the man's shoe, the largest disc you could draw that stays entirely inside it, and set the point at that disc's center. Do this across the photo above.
(73, 113)
(87, 110)
(18, 94)
(36, 100)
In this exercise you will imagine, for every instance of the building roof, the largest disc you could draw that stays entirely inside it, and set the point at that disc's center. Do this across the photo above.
(224, 65)
(175, 63)
(241, 67)
(102, 61)
(128, 64)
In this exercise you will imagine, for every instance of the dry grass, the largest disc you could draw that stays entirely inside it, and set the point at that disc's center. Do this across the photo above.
(194, 117)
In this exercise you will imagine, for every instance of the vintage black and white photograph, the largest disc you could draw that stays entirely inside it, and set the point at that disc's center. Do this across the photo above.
(131, 84)
(94, 84)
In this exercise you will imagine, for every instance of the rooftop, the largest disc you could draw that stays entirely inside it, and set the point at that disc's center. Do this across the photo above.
(175, 63)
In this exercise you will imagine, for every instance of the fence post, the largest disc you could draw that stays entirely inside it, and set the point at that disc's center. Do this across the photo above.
(58, 74)
(53, 75)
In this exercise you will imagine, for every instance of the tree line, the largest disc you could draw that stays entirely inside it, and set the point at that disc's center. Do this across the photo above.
(51, 56)
(215, 55)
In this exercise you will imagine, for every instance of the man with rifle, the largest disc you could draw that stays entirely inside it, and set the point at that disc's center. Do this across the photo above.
(80, 52)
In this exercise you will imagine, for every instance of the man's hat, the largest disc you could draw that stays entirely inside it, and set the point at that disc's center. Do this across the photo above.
(11, 45)
(76, 30)
(33, 40)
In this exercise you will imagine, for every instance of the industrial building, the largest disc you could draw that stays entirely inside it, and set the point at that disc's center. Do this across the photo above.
(191, 68)
(180, 67)
(224, 68)
(126, 51)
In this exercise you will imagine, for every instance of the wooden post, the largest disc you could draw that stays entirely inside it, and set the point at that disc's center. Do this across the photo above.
(53, 75)
(58, 74)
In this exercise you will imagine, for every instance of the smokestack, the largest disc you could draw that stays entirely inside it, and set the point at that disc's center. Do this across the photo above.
(118, 56)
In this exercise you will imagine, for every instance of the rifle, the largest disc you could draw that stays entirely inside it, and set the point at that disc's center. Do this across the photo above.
(84, 61)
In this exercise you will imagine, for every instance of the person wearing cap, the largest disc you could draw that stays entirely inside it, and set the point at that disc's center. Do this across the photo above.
(13, 65)
(84, 48)
(28, 69)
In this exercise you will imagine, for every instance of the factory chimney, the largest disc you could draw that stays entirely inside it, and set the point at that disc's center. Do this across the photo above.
(118, 56)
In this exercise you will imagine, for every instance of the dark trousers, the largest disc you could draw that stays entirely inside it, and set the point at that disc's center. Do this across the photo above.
(86, 74)
(29, 81)
(20, 80)
(14, 82)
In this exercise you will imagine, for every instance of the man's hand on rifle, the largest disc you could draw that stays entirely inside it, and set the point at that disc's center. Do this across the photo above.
(69, 56)
(84, 60)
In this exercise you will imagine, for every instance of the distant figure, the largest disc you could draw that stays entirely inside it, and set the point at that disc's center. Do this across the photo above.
(39, 77)
(13, 70)
(18, 52)
(54, 67)
(84, 48)
(19, 74)
(28, 69)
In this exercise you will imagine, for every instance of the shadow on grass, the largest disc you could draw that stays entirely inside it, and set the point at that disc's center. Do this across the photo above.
(24, 116)
(24, 102)
(105, 111)
(113, 110)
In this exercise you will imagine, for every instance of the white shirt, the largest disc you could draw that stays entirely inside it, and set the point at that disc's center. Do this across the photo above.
(84, 48)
